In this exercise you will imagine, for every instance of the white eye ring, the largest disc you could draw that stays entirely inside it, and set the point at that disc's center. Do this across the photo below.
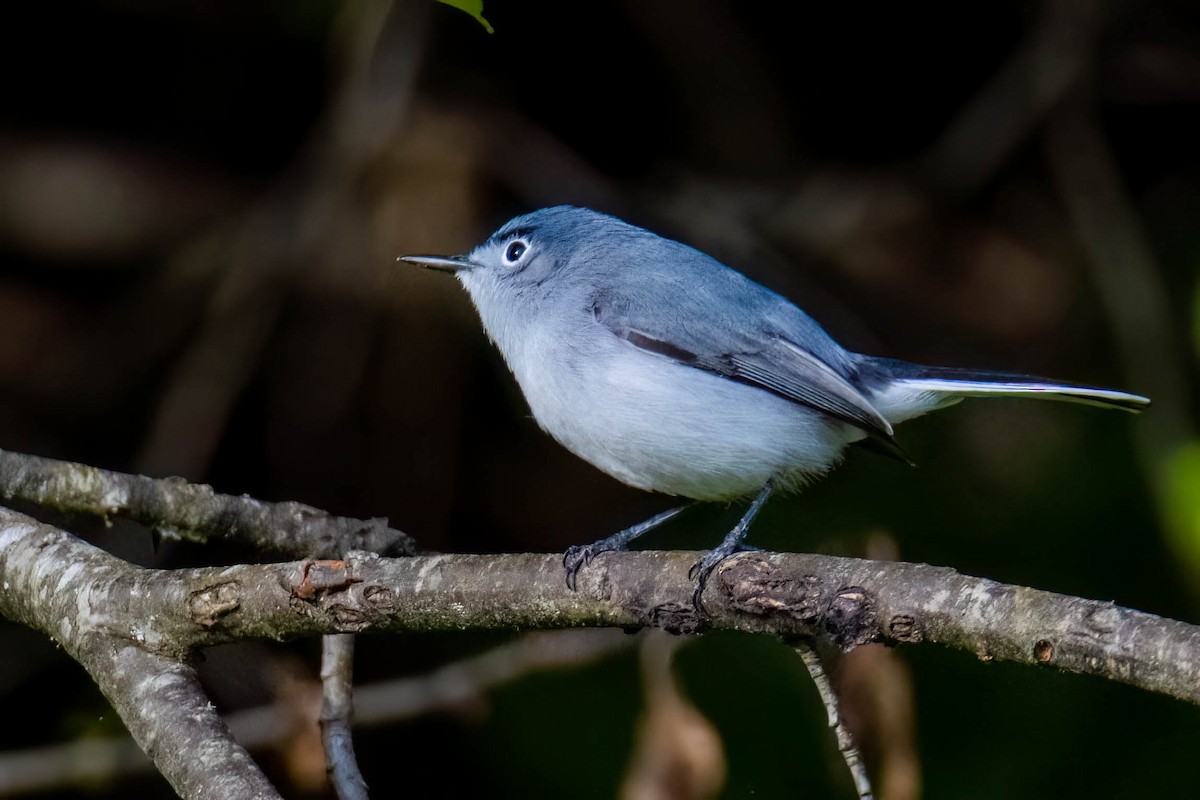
(515, 250)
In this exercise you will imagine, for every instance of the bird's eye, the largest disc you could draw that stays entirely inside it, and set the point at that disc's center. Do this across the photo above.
(514, 251)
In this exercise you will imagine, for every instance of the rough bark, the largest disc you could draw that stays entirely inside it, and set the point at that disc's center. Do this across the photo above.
(52, 579)
(181, 510)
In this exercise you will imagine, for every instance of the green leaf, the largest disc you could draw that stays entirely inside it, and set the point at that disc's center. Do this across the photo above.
(472, 7)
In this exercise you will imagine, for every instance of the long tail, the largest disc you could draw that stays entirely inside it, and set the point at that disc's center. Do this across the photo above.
(900, 390)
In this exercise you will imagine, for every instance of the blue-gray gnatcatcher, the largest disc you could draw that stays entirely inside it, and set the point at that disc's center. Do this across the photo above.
(674, 373)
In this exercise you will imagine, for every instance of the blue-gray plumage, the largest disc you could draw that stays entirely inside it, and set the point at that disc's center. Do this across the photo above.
(674, 373)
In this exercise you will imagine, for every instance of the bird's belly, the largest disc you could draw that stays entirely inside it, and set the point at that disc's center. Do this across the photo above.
(662, 426)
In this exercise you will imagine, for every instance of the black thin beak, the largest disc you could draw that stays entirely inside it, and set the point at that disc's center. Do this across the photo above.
(441, 263)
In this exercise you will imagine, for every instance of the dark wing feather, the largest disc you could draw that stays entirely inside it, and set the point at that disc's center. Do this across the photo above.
(772, 363)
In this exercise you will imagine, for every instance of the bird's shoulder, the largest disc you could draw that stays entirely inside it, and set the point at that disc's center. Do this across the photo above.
(687, 298)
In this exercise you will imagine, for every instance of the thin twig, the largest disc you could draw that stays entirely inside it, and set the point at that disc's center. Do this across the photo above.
(845, 742)
(337, 711)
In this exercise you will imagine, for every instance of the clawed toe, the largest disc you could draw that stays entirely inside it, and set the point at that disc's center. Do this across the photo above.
(576, 558)
(701, 571)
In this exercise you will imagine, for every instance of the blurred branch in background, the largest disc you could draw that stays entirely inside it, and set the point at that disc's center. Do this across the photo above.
(297, 231)
(1135, 296)
(453, 688)
(1044, 69)
(678, 753)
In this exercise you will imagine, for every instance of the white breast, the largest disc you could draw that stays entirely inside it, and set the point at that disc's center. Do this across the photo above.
(659, 425)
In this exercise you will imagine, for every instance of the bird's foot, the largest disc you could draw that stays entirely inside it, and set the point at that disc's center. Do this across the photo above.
(703, 569)
(734, 542)
(579, 556)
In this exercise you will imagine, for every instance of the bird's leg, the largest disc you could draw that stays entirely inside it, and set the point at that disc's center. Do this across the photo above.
(579, 556)
(731, 544)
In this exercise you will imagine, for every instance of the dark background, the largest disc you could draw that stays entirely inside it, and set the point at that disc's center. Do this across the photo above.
(200, 209)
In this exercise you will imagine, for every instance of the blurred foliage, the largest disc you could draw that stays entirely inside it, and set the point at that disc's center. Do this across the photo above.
(200, 209)
(1183, 503)
(472, 7)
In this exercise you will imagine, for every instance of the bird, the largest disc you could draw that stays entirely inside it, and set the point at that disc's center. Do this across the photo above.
(677, 374)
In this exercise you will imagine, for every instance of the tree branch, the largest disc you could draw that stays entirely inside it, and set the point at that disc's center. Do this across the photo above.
(73, 592)
(852, 601)
(193, 511)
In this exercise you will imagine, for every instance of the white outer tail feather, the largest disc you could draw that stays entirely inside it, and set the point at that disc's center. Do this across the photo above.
(1104, 398)
(905, 398)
